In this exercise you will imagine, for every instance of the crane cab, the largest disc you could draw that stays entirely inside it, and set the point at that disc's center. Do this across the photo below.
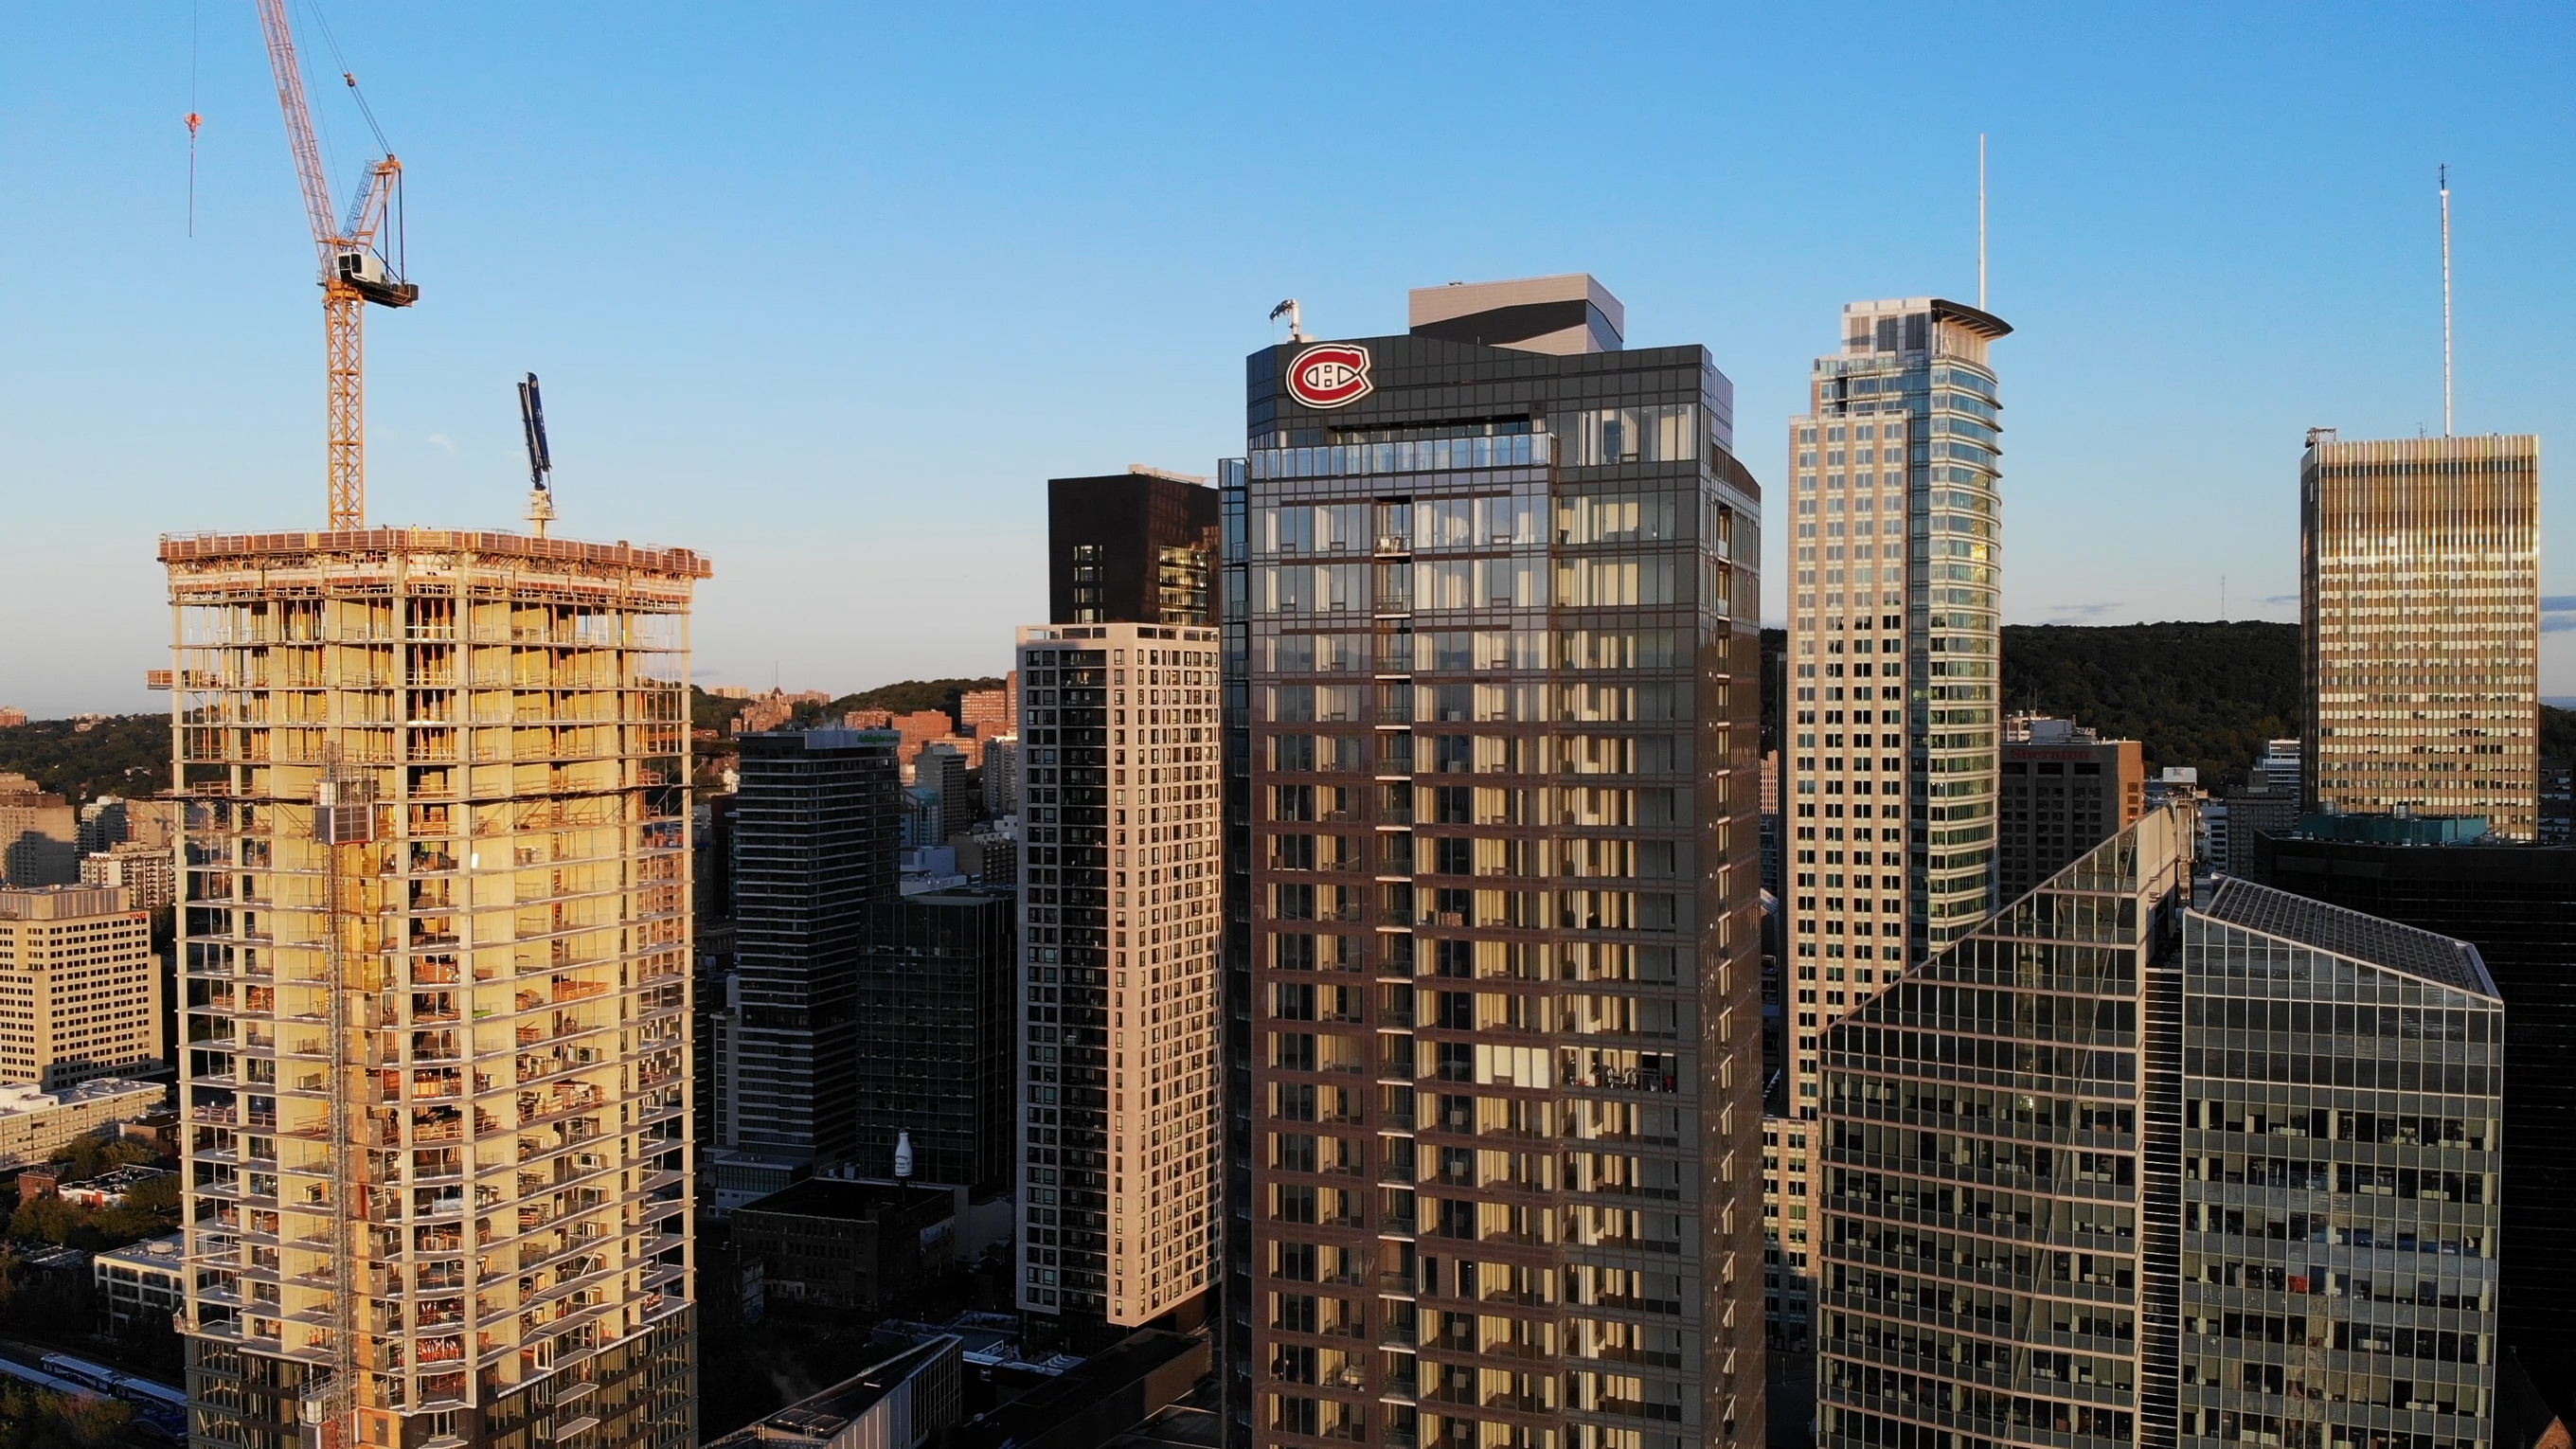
(367, 275)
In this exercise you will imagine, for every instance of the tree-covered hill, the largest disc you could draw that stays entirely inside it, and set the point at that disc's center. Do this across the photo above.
(125, 754)
(2205, 695)
(909, 696)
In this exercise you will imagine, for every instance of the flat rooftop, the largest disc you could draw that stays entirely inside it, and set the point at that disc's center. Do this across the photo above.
(222, 547)
(830, 1197)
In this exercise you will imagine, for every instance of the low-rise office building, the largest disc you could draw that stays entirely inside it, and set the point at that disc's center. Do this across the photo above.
(140, 1278)
(39, 835)
(2065, 790)
(830, 1243)
(34, 1123)
(910, 1399)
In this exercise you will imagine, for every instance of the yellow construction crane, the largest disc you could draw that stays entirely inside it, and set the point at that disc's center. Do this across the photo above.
(362, 262)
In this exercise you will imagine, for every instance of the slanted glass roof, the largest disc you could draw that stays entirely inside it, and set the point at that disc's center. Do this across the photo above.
(2438, 959)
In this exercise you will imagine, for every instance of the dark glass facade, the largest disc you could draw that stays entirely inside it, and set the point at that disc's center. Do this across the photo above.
(1234, 965)
(2342, 1102)
(2114, 1171)
(815, 834)
(1131, 548)
(938, 1012)
(1493, 931)
(1996, 1260)
(2517, 905)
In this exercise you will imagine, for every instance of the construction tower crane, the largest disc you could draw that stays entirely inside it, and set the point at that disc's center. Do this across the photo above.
(362, 262)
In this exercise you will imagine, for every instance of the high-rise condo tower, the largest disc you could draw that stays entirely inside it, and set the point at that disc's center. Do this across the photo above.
(1500, 996)
(435, 955)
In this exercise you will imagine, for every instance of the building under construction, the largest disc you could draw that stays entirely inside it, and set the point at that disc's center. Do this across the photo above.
(436, 942)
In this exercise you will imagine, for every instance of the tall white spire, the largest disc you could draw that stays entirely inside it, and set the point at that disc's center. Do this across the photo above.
(2446, 300)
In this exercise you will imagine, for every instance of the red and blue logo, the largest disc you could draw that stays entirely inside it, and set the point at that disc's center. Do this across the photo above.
(1330, 375)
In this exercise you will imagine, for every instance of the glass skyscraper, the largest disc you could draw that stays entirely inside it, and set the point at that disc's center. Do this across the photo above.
(1497, 748)
(2342, 1099)
(1988, 1215)
(814, 841)
(2116, 1171)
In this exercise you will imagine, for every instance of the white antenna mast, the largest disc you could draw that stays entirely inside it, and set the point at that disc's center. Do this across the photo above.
(2446, 300)
(1981, 221)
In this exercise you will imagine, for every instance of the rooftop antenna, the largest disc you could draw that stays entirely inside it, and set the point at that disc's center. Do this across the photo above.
(1981, 221)
(541, 463)
(1296, 327)
(2446, 299)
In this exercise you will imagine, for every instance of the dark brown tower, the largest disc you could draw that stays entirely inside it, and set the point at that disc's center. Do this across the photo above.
(1138, 547)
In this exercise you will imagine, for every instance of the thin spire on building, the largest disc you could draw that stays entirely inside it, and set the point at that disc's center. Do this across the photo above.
(2446, 299)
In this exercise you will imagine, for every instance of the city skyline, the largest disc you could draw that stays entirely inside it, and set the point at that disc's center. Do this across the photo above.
(2211, 219)
(1519, 936)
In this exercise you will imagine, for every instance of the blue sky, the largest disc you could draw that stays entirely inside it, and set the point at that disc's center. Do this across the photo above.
(827, 292)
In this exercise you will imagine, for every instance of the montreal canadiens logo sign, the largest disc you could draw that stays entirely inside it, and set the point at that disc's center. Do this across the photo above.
(1331, 375)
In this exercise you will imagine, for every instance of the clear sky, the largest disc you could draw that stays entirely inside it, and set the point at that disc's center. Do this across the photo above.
(827, 292)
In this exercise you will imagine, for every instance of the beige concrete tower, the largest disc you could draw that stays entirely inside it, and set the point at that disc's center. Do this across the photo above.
(435, 945)
(1120, 896)
(2419, 609)
(80, 992)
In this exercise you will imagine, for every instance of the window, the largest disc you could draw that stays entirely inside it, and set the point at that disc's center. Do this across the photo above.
(1667, 433)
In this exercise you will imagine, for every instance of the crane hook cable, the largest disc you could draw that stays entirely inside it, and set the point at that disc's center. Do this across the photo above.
(194, 120)
(351, 77)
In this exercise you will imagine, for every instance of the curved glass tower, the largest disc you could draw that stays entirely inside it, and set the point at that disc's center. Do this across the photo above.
(1890, 718)
(1892, 655)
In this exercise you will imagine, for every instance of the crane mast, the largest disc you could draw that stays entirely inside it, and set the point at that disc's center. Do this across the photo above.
(355, 269)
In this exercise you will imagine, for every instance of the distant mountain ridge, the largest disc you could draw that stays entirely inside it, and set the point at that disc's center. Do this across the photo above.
(2204, 695)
